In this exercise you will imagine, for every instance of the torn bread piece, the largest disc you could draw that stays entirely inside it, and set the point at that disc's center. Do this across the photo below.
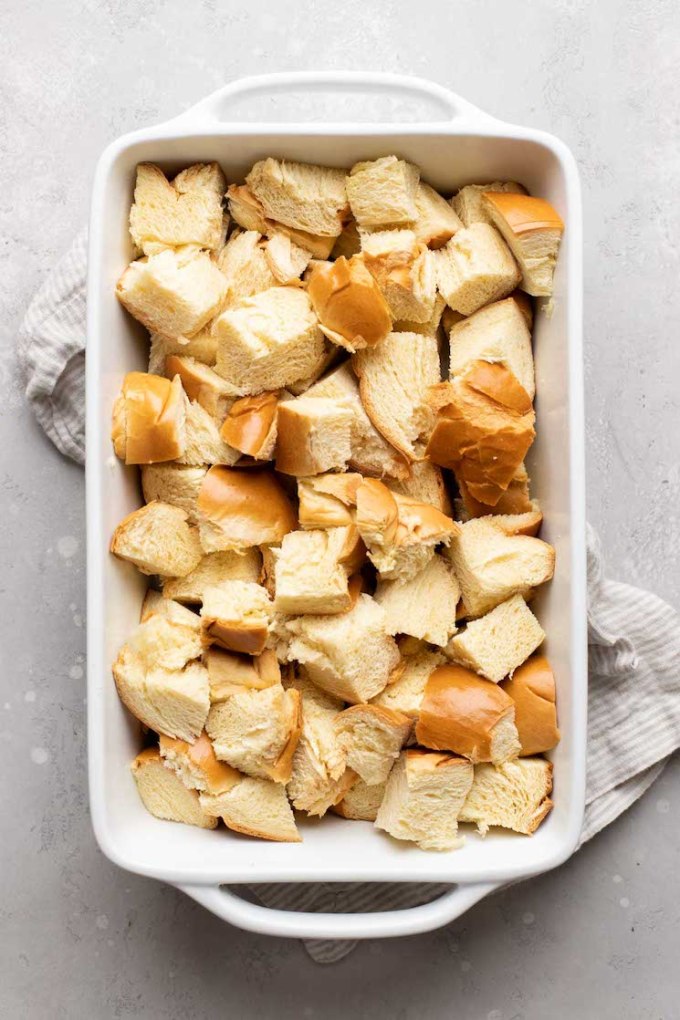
(167, 643)
(436, 221)
(423, 798)
(286, 260)
(533, 229)
(383, 192)
(351, 308)
(311, 570)
(158, 540)
(255, 807)
(148, 425)
(163, 793)
(394, 382)
(328, 500)
(174, 702)
(175, 293)
(204, 444)
(532, 688)
(430, 327)
(483, 429)
(514, 500)
(238, 509)
(405, 693)
(248, 212)
(202, 347)
(497, 332)
(425, 484)
(371, 738)
(257, 731)
(155, 604)
(301, 195)
(235, 616)
(361, 802)
(213, 569)
(404, 269)
(177, 484)
(349, 655)
(246, 269)
(469, 205)
(314, 435)
(514, 796)
(461, 712)
(251, 425)
(475, 268)
(201, 384)
(187, 210)
(230, 672)
(425, 605)
(196, 765)
(496, 644)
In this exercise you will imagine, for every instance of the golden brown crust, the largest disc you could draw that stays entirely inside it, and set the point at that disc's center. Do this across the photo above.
(350, 306)
(219, 777)
(459, 712)
(532, 688)
(148, 423)
(524, 213)
(250, 425)
(515, 499)
(253, 501)
(236, 635)
(229, 673)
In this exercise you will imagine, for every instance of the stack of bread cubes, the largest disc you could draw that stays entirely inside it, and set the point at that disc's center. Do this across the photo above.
(337, 517)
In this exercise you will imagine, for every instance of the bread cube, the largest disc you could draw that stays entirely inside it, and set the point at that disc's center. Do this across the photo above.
(313, 435)
(186, 211)
(425, 484)
(310, 572)
(149, 419)
(425, 605)
(371, 738)
(177, 484)
(328, 501)
(229, 672)
(469, 203)
(383, 192)
(437, 221)
(174, 702)
(212, 569)
(201, 384)
(496, 644)
(361, 802)
(235, 615)
(301, 195)
(238, 509)
(165, 643)
(287, 261)
(405, 693)
(256, 731)
(196, 765)
(202, 347)
(533, 229)
(158, 540)
(155, 605)
(245, 267)
(430, 327)
(204, 444)
(475, 268)
(404, 270)
(251, 425)
(352, 310)
(255, 807)
(163, 793)
(497, 332)
(513, 500)
(532, 688)
(514, 796)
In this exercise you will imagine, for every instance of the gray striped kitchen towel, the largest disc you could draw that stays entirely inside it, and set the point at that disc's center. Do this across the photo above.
(634, 637)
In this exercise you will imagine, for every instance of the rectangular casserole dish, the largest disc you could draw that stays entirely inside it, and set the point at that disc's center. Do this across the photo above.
(457, 144)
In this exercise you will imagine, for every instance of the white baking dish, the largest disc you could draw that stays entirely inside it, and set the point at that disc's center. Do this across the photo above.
(459, 145)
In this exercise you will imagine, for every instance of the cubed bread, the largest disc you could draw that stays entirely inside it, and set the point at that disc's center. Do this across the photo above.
(175, 293)
(314, 435)
(437, 220)
(158, 540)
(404, 269)
(163, 793)
(177, 484)
(148, 424)
(268, 341)
(350, 306)
(187, 210)
(371, 454)
(251, 425)
(484, 427)
(213, 569)
(230, 672)
(174, 702)
(429, 327)
(394, 380)
(235, 615)
(475, 268)
(248, 212)
(514, 796)
(533, 229)
(496, 644)
(371, 738)
(349, 655)
(154, 604)
(461, 712)
(256, 731)
(286, 260)
(310, 571)
(361, 802)
(166, 643)
(527, 523)
(255, 807)
(425, 605)
(423, 798)
(405, 693)
(197, 766)
(514, 500)
(468, 202)
(497, 332)
(238, 509)
(204, 444)
(202, 347)
(328, 500)
(301, 195)
(425, 484)
(201, 384)
(243, 262)
(383, 192)
(532, 688)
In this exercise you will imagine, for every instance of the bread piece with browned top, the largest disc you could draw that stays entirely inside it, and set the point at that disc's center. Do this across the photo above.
(404, 269)
(533, 229)
(371, 738)
(238, 509)
(532, 688)
(235, 615)
(148, 425)
(351, 308)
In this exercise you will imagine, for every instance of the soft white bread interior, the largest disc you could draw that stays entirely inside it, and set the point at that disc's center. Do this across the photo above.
(202, 347)
(371, 738)
(248, 212)
(238, 509)
(351, 308)
(204, 444)
(244, 264)
(404, 270)
(430, 327)
(213, 569)
(425, 605)
(201, 384)
(163, 793)
(256, 731)
(423, 798)
(394, 379)
(496, 644)
(361, 802)
(474, 268)
(196, 764)
(311, 571)
(383, 192)
(251, 425)
(463, 713)
(255, 807)
(515, 796)
(328, 500)
(425, 484)
(437, 221)
(484, 427)
(158, 540)
(469, 204)
(231, 672)
(533, 229)
(405, 693)
(187, 210)
(148, 422)
(174, 702)
(235, 615)
(532, 688)
(286, 259)
(371, 454)
(268, 341)
(174, 293)
(155, 604)
(314, 435)
(177, 484)
(349, 655)
(498, 332)
(163, 641)
(301, 195)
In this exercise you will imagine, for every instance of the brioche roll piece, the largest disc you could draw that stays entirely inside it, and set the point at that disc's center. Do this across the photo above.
(165, 641)
(425, 605)
(533, 229)
(158, 540)
(202, 347)
(371, 738)
(204, 444)
(361, 802)
(251, 425)
(257, 731)
(404, 270)
(177, 484)
(286, 260)
(314, 435)
(514, 796)
(425, 484)
(383, 191)
(498, 332)
(187, 210)
(328, 500)
(469, 205)
(235, 616)
(230, 672)
(255, 807)
(196, 765)
(437, 220)
(174, 702)
(474, 268)
(515, 499)
(496, 644)
(245, 266)
(311, 570)
(213, 569)
(201, 384)
(238, 509)
(301, 195)
(149, 419)
(405, 693)
(350, 306)
(155, 605)
(532, 688)
(163, 793)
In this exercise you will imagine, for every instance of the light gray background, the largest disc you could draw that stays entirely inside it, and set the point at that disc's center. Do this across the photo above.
(78, 937)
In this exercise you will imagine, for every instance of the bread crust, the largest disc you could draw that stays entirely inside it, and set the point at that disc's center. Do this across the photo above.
(243, 508)
(251, 425)
(350, 306)
(148, 420)
(532, 688)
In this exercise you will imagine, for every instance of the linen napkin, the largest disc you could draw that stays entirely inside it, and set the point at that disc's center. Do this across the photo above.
(634, 637)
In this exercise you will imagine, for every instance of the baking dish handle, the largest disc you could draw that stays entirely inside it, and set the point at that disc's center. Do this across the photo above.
(214, 109)
(297, 924)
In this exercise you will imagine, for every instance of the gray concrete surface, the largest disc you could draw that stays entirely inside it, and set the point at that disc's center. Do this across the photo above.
(79, 938)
